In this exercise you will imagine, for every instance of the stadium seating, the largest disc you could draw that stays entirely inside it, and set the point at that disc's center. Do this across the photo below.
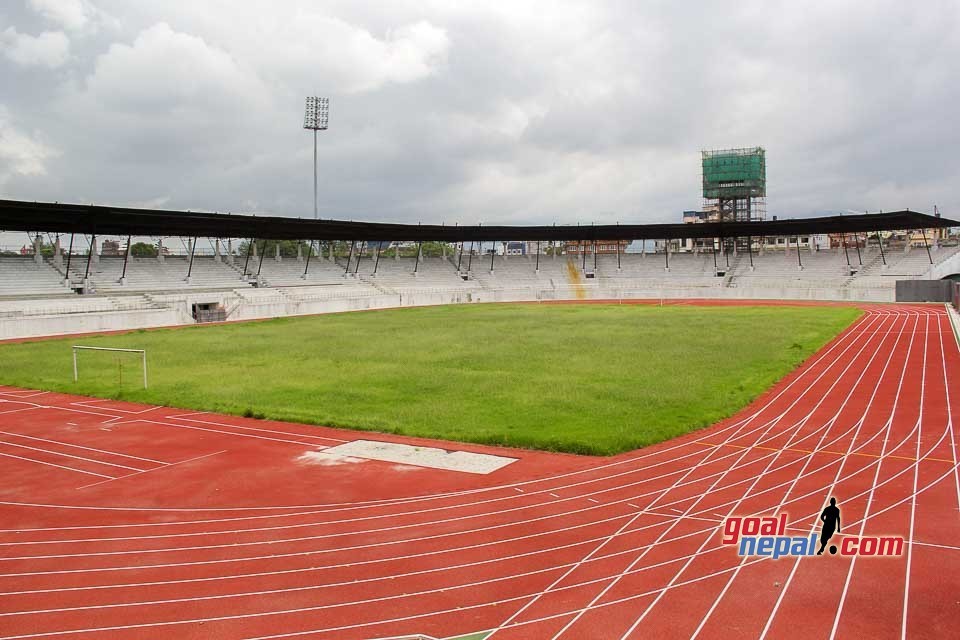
(433, 274)
(150, 274)
(22, 276)
(159, 291)
(289, 271)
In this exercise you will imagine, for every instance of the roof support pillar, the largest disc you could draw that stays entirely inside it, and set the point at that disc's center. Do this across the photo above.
(346, 271)
(69, 255)
(376, 264)
(926, 245)
(193, 249)
(263, 252)
(251, 245)
(126, 257)
(90, 252)
(306, 267)
(883, 258)
(359, 255)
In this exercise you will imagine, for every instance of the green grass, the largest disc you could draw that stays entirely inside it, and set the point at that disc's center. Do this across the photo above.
(595, 379)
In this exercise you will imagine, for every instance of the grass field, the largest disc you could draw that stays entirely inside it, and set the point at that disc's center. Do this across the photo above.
(593, 379)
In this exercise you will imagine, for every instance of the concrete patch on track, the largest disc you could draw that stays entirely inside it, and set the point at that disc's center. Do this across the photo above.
(434, 458)
(327, 459)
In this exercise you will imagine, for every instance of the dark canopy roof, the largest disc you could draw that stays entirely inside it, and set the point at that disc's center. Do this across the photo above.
(79, 218)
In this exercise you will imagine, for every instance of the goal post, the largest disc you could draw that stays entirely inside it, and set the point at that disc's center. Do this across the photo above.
(77, 348)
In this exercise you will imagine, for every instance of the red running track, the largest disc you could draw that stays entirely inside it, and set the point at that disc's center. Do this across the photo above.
(125, 521)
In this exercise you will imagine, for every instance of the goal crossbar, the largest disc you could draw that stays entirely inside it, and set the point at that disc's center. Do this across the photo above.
(142, 352)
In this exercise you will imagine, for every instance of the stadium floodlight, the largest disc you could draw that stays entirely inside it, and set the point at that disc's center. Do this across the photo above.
(316, 118)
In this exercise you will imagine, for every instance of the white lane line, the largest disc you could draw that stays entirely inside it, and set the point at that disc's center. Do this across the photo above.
(700, 497)
(849, 335)
(866, 512)
(229, 433)
(393, 542)
(916, 474)
(839, 473)
(259, 429)
(669, 560)
(50, 464)
(739, 424)
(653, 591)
(417, 525)
(192, 413)
(26, 393)
(85, 403)
(20, 410)
(796, 431)
(616, 579)
(355, 563)
(817, 491)
(948, 547)
(77, 446)
(946, 385)
(166, 466)
(68, 455)
(399, 619)
(111, 421)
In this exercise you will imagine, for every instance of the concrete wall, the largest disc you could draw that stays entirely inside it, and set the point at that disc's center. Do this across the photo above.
(279, 303)
(52, 325)
(924, 290)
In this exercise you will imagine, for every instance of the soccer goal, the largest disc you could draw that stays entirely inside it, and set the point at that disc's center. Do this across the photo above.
(119, 360)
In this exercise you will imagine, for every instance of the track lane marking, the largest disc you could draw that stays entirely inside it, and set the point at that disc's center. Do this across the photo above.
(50, 464)
(848, 335)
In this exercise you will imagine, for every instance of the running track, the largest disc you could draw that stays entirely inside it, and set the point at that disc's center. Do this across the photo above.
(124, 521)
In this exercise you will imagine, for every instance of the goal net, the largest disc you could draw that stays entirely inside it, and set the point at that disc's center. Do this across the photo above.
(108, 364)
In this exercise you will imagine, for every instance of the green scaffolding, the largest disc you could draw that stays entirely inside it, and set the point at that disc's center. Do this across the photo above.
(734, 173)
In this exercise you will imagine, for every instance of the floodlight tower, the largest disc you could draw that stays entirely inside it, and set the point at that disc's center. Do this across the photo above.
(317, 114)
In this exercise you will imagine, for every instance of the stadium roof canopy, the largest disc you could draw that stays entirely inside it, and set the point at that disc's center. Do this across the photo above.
(102, 220)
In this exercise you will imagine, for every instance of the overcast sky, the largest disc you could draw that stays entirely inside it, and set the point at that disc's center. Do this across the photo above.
(493, 111)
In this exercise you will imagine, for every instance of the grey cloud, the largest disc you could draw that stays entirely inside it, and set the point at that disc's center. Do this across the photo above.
(499, 112)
